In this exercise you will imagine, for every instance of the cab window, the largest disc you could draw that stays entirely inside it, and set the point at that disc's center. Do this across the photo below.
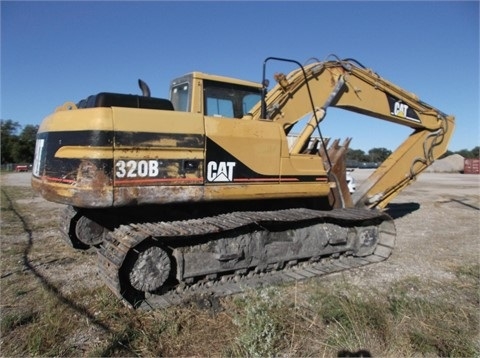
(180, 95)
(229, 100)
(219, 107)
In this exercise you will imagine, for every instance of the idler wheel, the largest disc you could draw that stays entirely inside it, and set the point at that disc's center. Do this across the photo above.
(367, 240)
(89, 232)
(150, 269)
(79, 231)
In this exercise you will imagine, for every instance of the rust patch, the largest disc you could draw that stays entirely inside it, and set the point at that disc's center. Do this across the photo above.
(89, 175)
(137, 195)
(93, 187)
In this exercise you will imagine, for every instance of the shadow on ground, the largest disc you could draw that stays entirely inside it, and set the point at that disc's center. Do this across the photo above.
(397, 211)
(118, 339)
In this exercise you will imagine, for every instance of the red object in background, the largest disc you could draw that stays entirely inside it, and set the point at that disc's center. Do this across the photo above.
(471, 166)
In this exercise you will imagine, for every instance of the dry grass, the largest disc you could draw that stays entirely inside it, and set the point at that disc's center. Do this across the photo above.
(48, 311)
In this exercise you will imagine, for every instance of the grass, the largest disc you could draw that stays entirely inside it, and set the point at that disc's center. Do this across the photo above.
(258, 318)
(411, 317)
(436, 318)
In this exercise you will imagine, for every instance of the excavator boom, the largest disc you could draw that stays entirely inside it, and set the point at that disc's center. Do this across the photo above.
(347, 85)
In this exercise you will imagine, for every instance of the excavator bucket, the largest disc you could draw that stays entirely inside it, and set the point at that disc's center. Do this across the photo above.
(340, 195)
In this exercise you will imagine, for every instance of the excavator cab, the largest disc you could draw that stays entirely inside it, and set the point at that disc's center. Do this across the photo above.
(213, 95)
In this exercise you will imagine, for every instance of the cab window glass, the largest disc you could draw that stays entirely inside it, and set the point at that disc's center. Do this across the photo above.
(180, 97)
(219, 107)
(229, 100)
(249, 101)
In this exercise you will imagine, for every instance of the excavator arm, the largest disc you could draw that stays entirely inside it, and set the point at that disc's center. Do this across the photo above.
(348, 85)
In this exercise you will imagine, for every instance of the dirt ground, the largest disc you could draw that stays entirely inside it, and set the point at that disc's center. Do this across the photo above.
(437, 221)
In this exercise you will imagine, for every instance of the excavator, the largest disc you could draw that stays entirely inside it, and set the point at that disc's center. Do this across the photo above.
(212, 191)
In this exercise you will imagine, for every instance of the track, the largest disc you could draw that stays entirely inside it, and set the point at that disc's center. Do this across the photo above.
(114, 253)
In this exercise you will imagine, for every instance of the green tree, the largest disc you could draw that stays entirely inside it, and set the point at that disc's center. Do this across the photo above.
(17, 148)
(9, 140)
(378, 155)
(24, 151)
(446, 154)
(476, 152)
(465, 153)
(357, 155)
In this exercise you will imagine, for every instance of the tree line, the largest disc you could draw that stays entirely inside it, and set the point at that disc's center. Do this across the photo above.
(18, 146)
(374, 155)
(378, 155)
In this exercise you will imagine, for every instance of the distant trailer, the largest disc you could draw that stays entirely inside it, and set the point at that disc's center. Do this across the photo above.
(471, 166)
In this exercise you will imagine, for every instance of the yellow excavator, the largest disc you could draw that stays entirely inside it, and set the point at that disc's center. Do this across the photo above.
(210, 192)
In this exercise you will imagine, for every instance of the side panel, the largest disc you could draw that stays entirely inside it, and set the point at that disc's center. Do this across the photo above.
(240, 151)
(249, 160)
(158, 156)
(304, 167)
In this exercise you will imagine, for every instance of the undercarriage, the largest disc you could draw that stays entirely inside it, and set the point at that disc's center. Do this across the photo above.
(155, 265)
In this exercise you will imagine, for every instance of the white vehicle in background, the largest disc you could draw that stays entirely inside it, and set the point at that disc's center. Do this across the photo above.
(352, 186)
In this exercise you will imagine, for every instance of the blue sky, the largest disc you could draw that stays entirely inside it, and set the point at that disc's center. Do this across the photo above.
(53, 52)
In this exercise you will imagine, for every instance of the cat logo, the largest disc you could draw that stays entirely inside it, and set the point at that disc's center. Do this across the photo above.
(220, 172)
(400, 109)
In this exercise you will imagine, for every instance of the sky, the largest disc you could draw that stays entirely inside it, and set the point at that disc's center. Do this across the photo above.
(54, 52)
